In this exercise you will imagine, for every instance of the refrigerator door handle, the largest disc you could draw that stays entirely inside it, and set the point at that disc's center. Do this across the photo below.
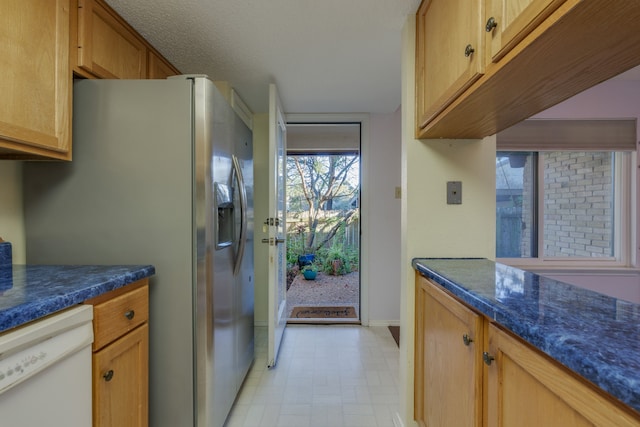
(243, 215)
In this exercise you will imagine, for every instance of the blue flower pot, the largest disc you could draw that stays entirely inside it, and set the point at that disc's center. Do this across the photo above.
(306, 259)
(309, 274)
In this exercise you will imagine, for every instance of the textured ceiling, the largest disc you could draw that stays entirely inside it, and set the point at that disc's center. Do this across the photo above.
(325, 56)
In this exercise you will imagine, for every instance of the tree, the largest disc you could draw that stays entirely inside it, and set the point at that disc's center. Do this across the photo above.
(320, 183)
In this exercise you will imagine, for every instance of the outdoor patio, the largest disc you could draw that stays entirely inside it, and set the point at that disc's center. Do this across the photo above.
(325, 290)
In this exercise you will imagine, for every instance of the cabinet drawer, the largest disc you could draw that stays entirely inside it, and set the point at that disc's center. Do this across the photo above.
(117, 316)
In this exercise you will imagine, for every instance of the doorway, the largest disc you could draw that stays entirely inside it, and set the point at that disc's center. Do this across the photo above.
(323, 222)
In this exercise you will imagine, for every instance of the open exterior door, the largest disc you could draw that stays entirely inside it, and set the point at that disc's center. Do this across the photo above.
(277, 226)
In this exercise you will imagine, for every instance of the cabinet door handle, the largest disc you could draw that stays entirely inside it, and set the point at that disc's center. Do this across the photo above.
(487, 358)
(108, 375)
(466, 339)
(129, 314)
(491, 24)
(468, 50)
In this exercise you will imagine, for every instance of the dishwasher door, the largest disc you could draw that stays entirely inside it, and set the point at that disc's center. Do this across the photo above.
(45, 371)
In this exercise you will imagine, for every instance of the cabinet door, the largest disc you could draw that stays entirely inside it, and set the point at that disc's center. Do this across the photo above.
(449, 53)
(107, 48)
(120, 381)
(448, 379)
(35, 112)
(527, 389)
(509, 21)
(159, 68)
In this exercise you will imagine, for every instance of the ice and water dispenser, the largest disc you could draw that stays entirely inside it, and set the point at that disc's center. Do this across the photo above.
(225, 219)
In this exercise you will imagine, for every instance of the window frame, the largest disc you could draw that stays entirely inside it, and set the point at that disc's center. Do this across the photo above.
(624, 227)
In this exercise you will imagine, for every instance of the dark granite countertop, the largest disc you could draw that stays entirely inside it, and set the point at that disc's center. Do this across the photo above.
(596, 336)
(29, 292)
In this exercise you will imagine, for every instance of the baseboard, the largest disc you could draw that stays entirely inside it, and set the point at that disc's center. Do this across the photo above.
(384, 323)
(397, 421)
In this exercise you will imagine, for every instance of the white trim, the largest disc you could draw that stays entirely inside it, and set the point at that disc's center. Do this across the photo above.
(241, 109)
(609, 272)
(363, 119)
(397, 420)
(384, 323)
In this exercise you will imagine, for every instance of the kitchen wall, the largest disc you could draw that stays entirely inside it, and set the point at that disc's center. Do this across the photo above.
(11, 213)
(380, 212)
(384, 175)
(430, 227)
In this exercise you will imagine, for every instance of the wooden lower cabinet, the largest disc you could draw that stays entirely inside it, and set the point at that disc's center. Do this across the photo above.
(493, 378)
(527, 389)
(448, 364)
(120, 357)
(120, 381)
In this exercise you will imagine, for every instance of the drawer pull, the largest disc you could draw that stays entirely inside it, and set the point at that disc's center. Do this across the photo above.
(129, 314)
(491, 24)
(466, 339)
(108, 376)
(487, 358)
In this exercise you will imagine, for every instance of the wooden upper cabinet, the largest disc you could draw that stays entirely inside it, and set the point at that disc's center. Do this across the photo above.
(159, 68)
(542, 52)
(509, 21)
(35, 112)
(107, 46)
(449, 53)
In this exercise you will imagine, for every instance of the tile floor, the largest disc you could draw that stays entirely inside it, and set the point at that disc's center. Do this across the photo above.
(326, 376)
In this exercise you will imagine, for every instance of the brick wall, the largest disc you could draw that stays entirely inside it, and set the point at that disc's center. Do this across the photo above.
(578, 204)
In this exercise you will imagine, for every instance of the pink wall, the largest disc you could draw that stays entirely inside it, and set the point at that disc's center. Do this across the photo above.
(384, 218)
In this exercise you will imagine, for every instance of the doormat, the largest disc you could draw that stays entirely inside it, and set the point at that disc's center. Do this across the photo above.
(395, 333)
(303, 312)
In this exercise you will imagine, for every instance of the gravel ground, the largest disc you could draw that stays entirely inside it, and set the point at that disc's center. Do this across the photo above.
(325, 290)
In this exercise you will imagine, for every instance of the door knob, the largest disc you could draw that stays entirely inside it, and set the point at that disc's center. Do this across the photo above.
(109, 375)
(467, 340)
(491, 24)
(487, 358)
(468, 50)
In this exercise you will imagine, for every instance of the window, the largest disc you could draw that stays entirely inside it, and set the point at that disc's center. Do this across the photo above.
(562, 207)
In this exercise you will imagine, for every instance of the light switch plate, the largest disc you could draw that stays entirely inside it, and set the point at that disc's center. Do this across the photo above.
(454, 192)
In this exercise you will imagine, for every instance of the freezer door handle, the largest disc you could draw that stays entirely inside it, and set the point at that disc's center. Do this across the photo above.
(243, 215)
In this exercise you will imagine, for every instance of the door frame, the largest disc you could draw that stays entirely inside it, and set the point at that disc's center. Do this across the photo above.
(363, 120)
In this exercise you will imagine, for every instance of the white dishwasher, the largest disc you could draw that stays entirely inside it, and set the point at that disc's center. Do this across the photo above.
(45, 371)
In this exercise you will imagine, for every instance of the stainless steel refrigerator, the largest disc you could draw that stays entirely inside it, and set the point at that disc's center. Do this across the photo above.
(162, 173)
